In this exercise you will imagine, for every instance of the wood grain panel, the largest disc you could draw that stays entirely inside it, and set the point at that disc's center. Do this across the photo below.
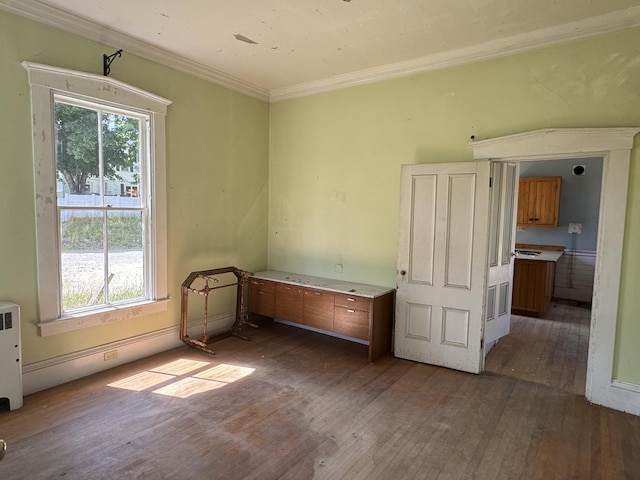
(351, 301)
(352, 323)
(318, 309)
(532, 285)
(262, 297)
(288, 302)
(538, 201)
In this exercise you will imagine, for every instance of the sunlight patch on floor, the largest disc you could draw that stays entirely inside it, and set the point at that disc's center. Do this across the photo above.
(184, 386)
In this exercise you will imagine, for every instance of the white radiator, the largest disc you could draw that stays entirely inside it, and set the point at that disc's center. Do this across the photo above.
(10, 355)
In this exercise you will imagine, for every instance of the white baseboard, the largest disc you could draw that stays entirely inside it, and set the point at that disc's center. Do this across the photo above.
(65, 368)
(619, 395)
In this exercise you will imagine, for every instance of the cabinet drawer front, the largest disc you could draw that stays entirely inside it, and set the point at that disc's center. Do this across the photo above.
(284, 290)
(317, 309)
(288, 302)
(354, 302)
(262, 285)
(319, 297)
(352, 322)
(261, 302)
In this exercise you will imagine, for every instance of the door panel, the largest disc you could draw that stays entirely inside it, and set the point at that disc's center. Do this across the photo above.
(501, 241)
(442, 264)
(423, 220)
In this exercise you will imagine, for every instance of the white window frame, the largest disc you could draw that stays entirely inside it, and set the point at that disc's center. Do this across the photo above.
(45, 81)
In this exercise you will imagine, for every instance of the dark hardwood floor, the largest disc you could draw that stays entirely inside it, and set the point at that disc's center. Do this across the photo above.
(551, 350)
(292, 404)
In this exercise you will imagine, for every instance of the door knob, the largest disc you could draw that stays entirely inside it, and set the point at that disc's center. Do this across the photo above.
(403, 272)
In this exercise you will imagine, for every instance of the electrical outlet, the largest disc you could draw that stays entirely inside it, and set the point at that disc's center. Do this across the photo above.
(110, 355)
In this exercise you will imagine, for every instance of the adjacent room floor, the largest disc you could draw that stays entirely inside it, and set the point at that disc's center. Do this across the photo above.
(551, 350)
(293, 404)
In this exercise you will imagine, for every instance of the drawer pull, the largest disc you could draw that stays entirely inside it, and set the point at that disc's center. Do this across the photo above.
(317, 293)
(350, 299)
(350, 311)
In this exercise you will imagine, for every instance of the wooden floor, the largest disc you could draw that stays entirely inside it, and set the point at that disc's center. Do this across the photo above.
(551, 350)
(292, 404)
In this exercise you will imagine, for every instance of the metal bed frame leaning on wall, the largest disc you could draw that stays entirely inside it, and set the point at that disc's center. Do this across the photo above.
(212, 282)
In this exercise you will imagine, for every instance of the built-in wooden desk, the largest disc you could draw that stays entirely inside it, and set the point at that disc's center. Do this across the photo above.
(354, 311)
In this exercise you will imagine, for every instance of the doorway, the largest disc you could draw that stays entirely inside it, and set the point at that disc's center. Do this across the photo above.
(614, 146)
(550, 347)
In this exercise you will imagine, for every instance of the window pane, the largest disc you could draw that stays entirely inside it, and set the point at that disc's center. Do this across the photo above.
(82, 258)
(126, 256)
(77, 158)
(120, 138)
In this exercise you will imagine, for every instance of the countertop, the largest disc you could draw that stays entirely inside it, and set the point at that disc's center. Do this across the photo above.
(545, 256)
(330, 284)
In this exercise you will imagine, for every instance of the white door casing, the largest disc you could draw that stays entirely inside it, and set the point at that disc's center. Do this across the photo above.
(442, 264)
(614, 146)
(502, 225)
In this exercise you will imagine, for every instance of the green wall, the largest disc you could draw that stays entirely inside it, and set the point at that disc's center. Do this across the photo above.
(217, 178)
(336, 156)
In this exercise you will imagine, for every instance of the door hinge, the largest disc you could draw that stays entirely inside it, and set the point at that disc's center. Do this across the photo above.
(490, 182)
(481, 343)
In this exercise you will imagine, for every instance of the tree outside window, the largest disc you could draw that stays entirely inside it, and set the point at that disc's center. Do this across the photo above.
(100, 211)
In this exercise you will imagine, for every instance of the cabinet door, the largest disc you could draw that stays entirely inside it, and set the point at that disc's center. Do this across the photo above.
(352, 323)
(539, 201)
(532, 285)
(261, 297)
(318, 309)
(288, 302)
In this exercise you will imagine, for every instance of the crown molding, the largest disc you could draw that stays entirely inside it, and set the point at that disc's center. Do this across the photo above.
(40, 12)
(608, 23)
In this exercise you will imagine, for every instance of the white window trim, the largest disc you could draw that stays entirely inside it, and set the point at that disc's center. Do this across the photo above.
(45, 81)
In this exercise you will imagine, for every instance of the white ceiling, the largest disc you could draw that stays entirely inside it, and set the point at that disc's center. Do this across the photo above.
(275, 49)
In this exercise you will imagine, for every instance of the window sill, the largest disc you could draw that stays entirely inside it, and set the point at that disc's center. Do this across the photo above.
(91, 319)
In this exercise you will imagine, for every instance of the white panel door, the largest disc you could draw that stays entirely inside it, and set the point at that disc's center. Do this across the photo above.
(442, 264)
(502, 226)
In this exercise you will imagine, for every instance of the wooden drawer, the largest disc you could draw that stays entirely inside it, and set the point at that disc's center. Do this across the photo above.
(353, 302)
(318, 308)
(262, 297)
(351, 322)
(288, 302)
(262, 285)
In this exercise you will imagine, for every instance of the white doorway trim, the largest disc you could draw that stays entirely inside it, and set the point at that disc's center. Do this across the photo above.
(614, 146)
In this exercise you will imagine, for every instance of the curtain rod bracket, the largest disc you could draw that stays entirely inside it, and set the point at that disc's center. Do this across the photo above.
(106, 62)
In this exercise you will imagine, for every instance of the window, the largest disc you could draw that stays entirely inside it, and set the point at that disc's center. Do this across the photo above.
(100, 198)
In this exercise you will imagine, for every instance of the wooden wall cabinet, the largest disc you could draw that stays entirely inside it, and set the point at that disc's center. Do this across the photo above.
(538, 201)
(532, 285)
(350, 310)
